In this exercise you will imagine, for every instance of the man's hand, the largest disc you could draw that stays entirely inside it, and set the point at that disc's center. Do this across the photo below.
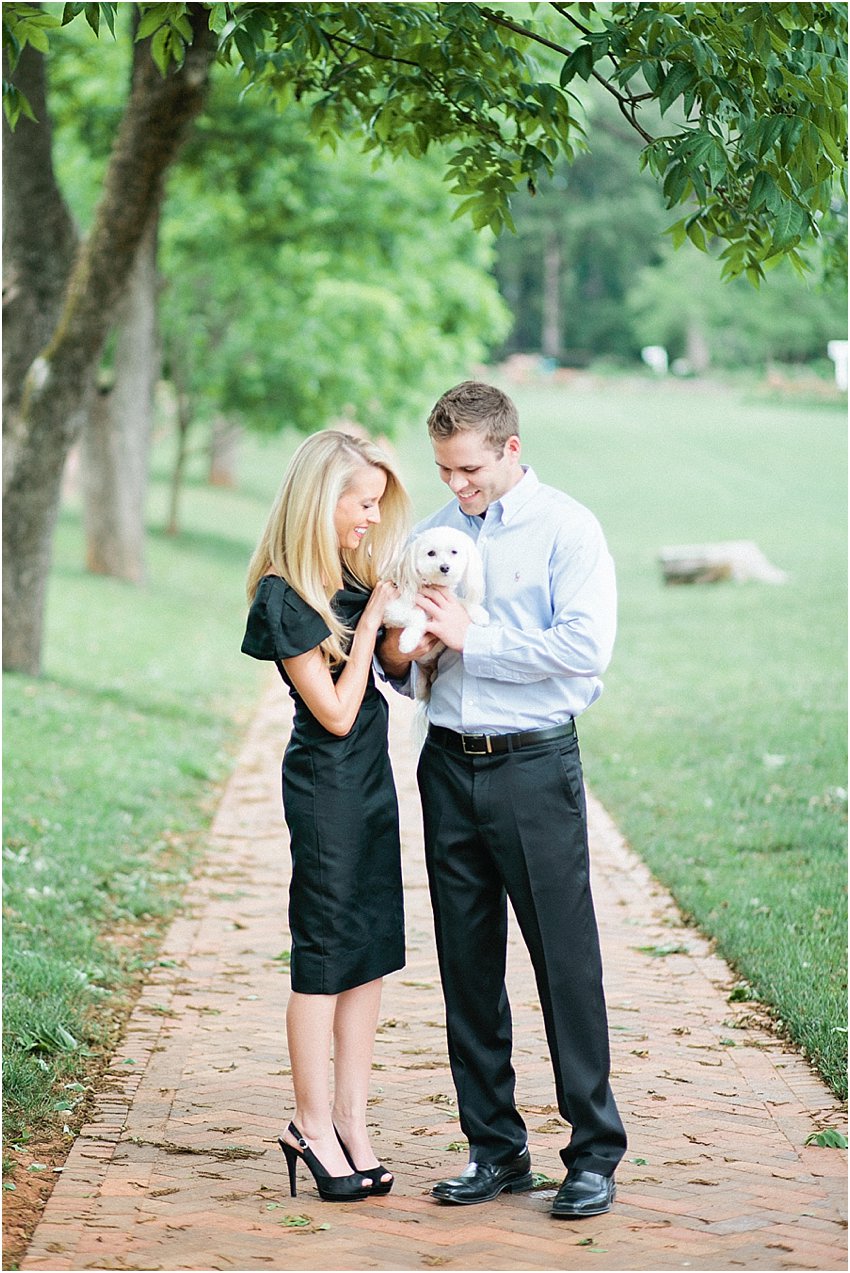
(447, 617)
(395, 664)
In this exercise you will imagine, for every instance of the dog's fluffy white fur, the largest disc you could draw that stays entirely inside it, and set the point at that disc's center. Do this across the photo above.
(442, 556)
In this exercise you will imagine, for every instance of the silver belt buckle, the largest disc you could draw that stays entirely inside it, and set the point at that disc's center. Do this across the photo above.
(484, 750)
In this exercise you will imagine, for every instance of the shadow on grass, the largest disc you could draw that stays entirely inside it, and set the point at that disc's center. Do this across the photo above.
(161, 708)
(220, 548)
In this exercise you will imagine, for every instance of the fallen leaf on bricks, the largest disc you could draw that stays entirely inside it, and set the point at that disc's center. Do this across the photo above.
(661, 952)
(551, 1128)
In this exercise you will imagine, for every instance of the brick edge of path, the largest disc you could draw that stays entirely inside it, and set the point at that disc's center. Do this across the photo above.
(178, 1167)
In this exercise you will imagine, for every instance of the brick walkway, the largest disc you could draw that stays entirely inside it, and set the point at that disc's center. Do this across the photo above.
(179, 1168)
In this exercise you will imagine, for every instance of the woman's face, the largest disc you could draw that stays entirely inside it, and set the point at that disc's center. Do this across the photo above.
(357, 508)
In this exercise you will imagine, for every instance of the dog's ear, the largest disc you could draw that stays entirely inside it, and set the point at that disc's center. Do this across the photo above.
(474, 576)
(407, 578)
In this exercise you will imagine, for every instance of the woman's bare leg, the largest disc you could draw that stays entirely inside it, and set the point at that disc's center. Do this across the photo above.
(354, 1025)
(309, 1028)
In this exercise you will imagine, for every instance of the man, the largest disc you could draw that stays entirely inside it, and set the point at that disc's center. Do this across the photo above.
(503, 800)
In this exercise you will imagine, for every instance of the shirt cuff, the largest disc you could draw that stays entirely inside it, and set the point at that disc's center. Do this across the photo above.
(404, 685)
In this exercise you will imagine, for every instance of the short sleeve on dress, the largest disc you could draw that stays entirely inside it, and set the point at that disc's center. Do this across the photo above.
(280, 623)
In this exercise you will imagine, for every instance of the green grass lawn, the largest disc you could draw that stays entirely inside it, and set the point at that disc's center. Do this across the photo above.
(718, 745)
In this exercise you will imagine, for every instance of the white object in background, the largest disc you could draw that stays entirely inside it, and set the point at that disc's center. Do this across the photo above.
(655, 356)
(837, 351)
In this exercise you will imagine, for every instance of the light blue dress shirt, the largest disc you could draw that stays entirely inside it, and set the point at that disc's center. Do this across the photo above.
(552, 598)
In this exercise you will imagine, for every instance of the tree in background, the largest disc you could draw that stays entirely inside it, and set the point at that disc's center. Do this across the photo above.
(302, 285)
(46, 404)
(682, 305)
(579, 240)
(759, 142)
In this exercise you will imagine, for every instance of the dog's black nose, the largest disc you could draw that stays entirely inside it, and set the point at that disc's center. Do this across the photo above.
(444, 570)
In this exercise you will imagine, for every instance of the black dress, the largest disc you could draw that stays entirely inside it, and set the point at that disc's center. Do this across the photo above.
(345, 899)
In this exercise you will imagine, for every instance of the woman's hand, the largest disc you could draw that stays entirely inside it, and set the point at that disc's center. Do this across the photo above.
(382, 594)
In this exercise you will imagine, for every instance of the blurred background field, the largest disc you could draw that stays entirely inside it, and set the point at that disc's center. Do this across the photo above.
(718, 746)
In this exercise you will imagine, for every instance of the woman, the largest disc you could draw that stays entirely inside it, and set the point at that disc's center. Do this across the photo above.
(317, 603)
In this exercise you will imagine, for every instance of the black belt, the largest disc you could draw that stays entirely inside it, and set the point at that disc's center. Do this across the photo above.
(493, 744)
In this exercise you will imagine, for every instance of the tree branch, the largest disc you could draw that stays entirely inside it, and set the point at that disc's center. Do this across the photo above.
(531, 35)
(480, 124)
(624, 101)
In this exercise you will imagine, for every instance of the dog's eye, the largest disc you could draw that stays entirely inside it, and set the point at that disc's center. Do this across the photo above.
(454, 552)
(432, 552)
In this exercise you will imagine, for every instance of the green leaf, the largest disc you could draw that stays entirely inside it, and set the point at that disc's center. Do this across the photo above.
(831, 147)
(35, 36)
(160, 49)
(151, 22)
(661, 952)
(763, 192)
(93, 17)
(696, 234)
(769, 131)
(679, 78)
(716, 162)
(789, 224)
(580, 62)
(829, 1138)
(676, 183)
(677, 232)
(16, 104)
(246, 46)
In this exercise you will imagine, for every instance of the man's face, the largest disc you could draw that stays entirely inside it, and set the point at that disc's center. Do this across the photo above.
(475, 472)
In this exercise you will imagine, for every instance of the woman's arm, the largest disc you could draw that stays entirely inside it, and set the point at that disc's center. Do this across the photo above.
(335, 704)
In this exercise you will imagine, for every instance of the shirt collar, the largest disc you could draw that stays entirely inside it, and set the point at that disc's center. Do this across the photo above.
(518, 496)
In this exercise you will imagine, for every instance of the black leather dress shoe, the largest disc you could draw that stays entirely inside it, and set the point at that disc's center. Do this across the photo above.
(583, 1193)
(483, 1181)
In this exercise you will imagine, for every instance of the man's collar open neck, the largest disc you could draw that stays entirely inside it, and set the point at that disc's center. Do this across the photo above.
(515, 496)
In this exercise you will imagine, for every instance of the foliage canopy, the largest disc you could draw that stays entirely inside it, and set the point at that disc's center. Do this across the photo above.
(742, 107)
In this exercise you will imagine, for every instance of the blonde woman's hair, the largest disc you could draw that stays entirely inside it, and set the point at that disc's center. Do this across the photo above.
(300, 542)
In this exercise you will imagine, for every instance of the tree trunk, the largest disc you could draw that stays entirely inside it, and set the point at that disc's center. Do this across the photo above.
(184, 424)
(158, 113)
(697, 351)
(117, 433)
(551, 336)
(224, 448)
(39, 241)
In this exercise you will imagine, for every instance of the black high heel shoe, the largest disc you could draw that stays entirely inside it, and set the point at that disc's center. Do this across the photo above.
(379, 1187)
(331, 1188)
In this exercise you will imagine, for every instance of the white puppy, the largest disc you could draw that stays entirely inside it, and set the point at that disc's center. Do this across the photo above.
(442, 556)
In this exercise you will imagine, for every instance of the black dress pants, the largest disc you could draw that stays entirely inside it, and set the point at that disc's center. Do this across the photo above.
(514, 825)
